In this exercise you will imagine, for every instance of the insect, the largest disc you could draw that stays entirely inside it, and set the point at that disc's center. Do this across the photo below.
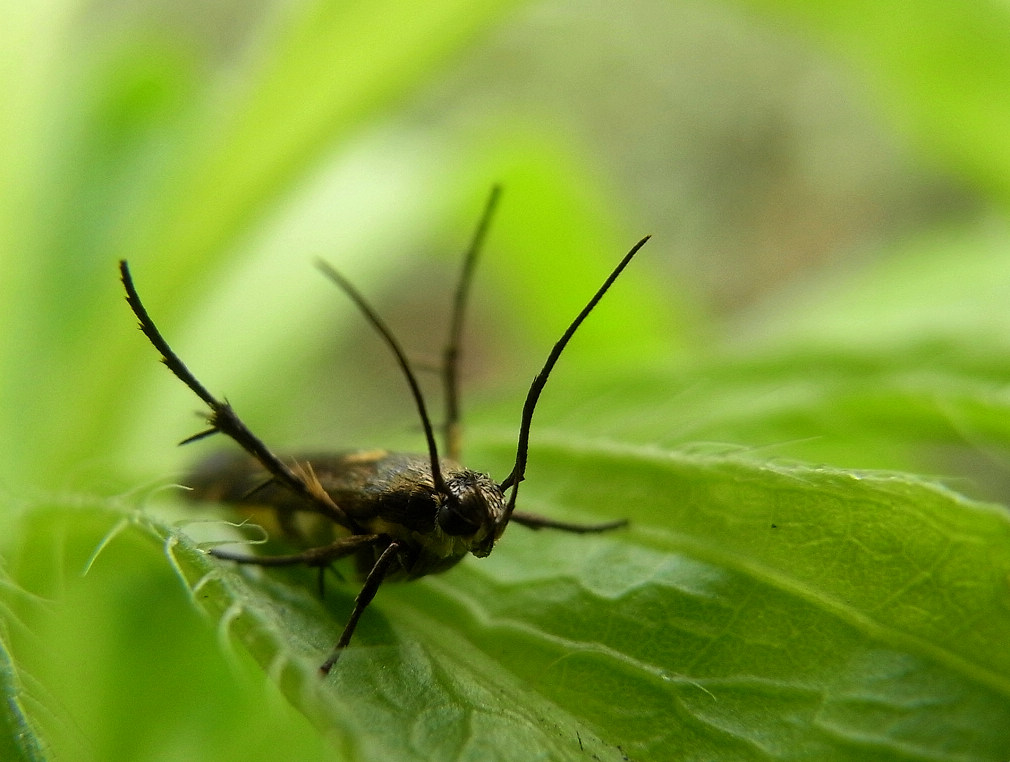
(397, 514)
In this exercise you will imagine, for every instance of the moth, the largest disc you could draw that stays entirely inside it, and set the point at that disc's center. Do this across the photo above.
(399, 515)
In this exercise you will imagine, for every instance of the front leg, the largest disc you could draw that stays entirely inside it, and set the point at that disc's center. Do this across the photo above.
(322, 556)
(535, 521)
(365, 596)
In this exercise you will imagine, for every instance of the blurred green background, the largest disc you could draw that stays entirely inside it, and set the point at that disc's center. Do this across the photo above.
(826, 185)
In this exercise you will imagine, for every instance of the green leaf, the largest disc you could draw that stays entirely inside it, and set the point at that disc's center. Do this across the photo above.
(750, 611)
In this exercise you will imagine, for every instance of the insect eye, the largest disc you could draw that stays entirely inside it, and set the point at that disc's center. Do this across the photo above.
(454, 521)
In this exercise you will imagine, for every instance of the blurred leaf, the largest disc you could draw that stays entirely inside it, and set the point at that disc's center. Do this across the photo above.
(941, 69)
(943, 286)
(116, 662)
(19, 738)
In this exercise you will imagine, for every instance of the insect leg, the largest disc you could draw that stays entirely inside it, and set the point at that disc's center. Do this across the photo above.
(534, 521)
(320, 556)
(223, 418)
(365, 596)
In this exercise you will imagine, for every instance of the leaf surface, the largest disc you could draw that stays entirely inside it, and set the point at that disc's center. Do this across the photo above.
(750, 612)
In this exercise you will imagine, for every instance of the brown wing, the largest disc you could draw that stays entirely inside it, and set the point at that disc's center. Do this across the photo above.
(377, 490)
(239, 480)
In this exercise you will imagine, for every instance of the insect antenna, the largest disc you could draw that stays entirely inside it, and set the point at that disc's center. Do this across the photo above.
(450, 356)
(224, 419)
(355, 296)
(519, 470)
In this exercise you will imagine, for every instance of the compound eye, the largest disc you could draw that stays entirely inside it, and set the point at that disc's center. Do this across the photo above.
(453, 521)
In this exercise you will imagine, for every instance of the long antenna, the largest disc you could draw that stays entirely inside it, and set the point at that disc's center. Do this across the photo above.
(224, 419)
(450, 356)
(519, 470)
(401, 358)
